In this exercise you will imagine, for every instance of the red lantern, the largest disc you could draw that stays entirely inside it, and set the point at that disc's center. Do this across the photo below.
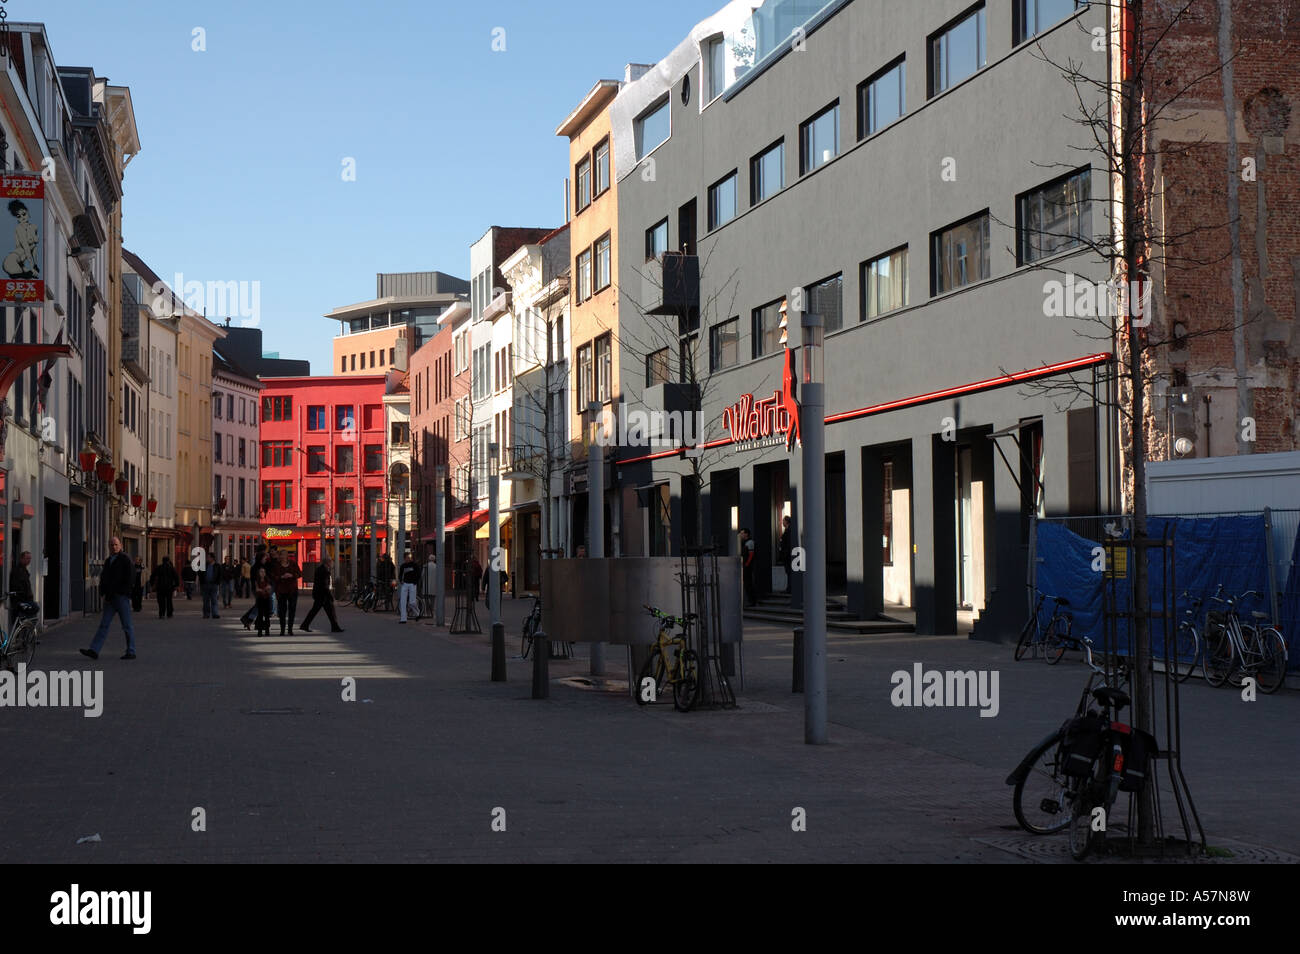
(104, 471)
(137, 498)
(87, 460)
(153, 505)
(122, 486)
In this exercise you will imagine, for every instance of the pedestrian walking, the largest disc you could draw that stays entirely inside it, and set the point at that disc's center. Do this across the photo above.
(164, 582)
(748, 552)
(785, 551)
(409, 575)
(245, 575)
(262, 590)
(188, 578)
(322, 598)
(20, 584)
(229, 573)
(475, 578)
(259, 560)
(115, 585)
(209, 583)
(286, 590)
(137, 586)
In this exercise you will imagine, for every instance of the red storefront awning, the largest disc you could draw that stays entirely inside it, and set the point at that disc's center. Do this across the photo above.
(478, 516)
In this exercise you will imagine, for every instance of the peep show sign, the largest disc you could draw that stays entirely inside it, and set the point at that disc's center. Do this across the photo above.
(22, 203)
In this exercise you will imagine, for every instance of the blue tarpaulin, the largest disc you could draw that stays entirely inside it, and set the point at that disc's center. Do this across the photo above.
(1208, 552)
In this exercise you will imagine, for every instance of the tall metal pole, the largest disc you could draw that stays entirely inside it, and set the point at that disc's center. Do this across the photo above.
(812, 433)
(596, 514)
(401, 528)
(494, 576)
(352, 568)
(440, 549)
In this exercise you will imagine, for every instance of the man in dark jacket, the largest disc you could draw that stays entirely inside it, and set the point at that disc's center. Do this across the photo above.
(286, 590)
(137, 586)
(20, 584)
(115, 585)
(322, 598)
(209, 583)
(164, 583)
(259, 560)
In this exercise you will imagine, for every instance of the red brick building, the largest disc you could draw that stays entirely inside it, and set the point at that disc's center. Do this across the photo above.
(322, 455)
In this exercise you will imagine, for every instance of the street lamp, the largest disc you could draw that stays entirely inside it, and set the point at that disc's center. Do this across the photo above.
(812, 427)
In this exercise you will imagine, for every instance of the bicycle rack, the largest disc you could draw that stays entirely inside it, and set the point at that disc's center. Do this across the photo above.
(464, 617)
(700, 595)
(1118, 606)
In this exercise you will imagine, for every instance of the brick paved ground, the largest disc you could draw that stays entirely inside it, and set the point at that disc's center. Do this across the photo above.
(255, 732)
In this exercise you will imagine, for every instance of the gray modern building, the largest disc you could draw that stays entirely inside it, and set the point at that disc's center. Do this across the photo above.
(911, 173)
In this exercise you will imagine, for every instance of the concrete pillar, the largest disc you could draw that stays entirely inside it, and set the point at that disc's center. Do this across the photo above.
(864, 507)
(934, 511)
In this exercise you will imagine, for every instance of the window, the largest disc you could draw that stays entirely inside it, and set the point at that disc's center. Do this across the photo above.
(274, 453)
(651, 130)
(826, 298)
(343, 364)
(1034, 16)
(316, 459)
(584, 276)
(243, 456)
(884, 284)
(230, 407)
(715, 56)
(315, 505)
(316, 417)
(344, 419)
(887, 514)
(724, 344)
(392, 353)
(343, 459)
(819, 139)
(602, 263)
(582, 185)
(767, 173)
(242, 506)
(959, 254)
(374, 503)
(583, 384)
(601, 167)
(957, 51)
(722, 201)
(656, 240)
(216, 404)
(882, 99)
(216, 488)
(400, 433)
(374, 458)
(656, 368)
(1055, 217)
(273, 408)
(243, 411)
(216, 446)
(353, 362)
(767, 328)
(252, 410)
(604, 367)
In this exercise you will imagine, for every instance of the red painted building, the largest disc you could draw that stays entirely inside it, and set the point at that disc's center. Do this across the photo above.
(322, 455)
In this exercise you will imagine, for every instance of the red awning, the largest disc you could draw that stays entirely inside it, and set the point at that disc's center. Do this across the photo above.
(478, 516)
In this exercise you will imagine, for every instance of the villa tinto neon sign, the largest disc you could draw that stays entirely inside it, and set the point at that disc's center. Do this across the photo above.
(771, 418)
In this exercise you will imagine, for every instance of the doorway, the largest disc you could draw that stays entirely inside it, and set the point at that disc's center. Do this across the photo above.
(53, 565)
(837, 549)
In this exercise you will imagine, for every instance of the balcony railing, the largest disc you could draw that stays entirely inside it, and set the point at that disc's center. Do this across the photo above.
(671, 284)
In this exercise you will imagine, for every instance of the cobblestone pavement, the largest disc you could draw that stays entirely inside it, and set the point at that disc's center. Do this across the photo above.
(256, 733)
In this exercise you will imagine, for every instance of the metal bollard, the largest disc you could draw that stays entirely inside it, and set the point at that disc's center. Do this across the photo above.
(541, 666)
(498, 652)
(796, 682)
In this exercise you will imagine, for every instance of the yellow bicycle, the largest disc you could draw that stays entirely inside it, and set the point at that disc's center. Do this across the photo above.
(671, 662)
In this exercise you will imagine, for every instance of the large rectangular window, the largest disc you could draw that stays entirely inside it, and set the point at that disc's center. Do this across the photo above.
(722, 201)
(715, 55)
(1055, 217)
(767, 328)
(316, 417)
(583, 269)
(884, 284)
(374, 458)
(657, 369)
(819, 139)
(957, 51)
(344, 418)
(344, 459)
(826, 298)
(600, 168)
(1034, 16)
(602, 249)
(315, 459)
(582, 185)
(583, 384)
(724, 344)
(651, 129)
(274, 453)
(882, 99)
(767, 173)
(959, 254)
(656, 240)
(216, 446)
(273, 408)
(604, 356)
(315, 504)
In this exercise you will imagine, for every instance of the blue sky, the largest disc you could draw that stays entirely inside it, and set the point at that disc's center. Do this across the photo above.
(239, 174)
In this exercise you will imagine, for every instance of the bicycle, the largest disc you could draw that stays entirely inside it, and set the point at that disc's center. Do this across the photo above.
(681, 670)
(1052, 639)
(1236, 650)
(18, 644)
(1187, 644)
(1040, 800)
(531, 626)
(353, 592)
(383, 600)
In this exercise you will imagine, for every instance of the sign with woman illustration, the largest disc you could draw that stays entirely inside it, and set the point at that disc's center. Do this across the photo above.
(22, 197)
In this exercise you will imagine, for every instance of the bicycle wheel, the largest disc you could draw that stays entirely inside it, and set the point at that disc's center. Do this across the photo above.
(1080, 822)
(1272, 667)
(1026, 638)
(1219, 657)
(1054, 642)
(529, 629)
(653, 668)
(686, 687)
(1039, 800)
(1187, 651)
(28, 636)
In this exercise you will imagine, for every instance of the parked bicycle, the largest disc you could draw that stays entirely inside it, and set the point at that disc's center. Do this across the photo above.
(532, 625)
(1050, 640)
(1187, 644)
(18, 644)
(1235, 650)
(1041, 799)
(671, 662)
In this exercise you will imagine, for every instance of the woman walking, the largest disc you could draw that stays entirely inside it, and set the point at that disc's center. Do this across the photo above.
(286, 590)
(164, 582)
(262, 589)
